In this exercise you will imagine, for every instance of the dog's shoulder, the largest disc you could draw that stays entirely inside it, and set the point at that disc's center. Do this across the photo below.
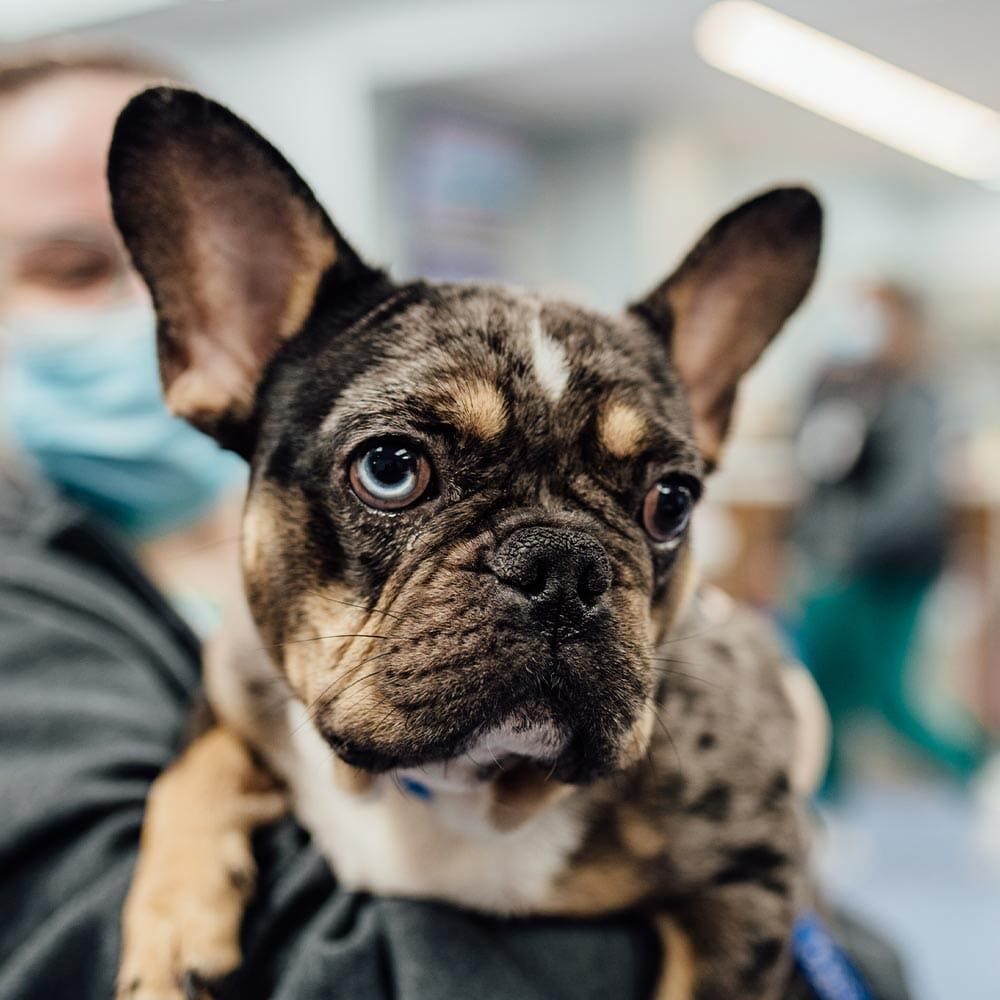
(715, 796)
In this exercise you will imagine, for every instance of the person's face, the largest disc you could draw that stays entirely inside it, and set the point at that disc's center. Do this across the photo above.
(59, 249)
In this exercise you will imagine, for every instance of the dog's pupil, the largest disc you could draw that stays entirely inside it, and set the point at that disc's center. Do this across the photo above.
(390, 466)
(672, 507)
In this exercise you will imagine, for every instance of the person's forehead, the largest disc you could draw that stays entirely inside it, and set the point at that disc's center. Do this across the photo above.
(54, 137)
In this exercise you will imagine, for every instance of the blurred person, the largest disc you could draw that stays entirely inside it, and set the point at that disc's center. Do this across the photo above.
(80, 399)
(873, 533)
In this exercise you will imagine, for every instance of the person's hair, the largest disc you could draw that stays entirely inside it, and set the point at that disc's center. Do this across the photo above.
(25, 67)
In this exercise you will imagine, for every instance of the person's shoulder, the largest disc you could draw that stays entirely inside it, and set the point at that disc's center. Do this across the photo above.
(31, 509)
(22, 496)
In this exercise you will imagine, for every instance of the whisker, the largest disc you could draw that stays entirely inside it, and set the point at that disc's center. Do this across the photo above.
(358, 680)
(323, 693)
(338, 635)
(693, 635)
(666, 732)
(360, 607)
(662, 671)
(651, 761)
(377, 731)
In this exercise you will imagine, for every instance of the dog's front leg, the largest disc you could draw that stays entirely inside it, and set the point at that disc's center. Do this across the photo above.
(733, 942)
(181, 923)
(677, 977)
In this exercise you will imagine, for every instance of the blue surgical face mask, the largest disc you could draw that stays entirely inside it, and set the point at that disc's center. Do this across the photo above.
(80, 395)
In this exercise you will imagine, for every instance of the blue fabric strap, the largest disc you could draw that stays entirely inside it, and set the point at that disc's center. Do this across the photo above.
(823, 963)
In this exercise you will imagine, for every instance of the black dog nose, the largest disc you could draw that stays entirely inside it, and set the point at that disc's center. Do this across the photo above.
(554, 568)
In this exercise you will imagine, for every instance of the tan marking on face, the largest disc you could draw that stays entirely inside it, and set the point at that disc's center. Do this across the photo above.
(621, 429)
(261, 516)
(639, 834)
(339, 677)
(475, 407)
(521, 794)
(320, 633)
(677, 980)
(271, 539)
(351, 779)
(332, 646)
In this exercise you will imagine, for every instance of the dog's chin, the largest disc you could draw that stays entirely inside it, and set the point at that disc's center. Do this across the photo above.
(503, 752)
(522, 742)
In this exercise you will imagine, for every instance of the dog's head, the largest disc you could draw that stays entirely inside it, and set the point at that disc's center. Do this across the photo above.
(467, 523)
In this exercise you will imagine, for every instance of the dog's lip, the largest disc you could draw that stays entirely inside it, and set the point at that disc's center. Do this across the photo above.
(540, 742)
(497, 751)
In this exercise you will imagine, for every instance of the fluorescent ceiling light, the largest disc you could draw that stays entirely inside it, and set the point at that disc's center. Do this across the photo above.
(852, 87)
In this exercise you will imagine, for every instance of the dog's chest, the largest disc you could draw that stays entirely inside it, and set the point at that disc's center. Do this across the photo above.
(395, 844)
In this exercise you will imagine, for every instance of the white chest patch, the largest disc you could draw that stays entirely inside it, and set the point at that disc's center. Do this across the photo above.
(549, 361)
(392, 843)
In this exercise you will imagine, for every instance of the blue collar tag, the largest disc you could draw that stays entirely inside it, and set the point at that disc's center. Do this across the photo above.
(823, 963)
(415, 788)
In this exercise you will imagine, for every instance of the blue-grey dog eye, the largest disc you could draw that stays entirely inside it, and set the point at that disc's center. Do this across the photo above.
(390, 474)
(667, 508)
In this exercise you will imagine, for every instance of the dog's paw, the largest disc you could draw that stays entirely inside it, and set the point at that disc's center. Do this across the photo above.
(181, 935)
(191, 985)
(196, 871)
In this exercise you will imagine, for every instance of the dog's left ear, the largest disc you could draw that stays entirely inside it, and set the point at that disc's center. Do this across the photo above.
(232, 244)
(731, 295)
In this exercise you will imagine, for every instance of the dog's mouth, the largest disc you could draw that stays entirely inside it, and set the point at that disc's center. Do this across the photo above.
(524, 743)
(568, 718)
(504, 752)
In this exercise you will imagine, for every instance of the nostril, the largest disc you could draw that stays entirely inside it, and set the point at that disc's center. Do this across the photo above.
(534, 578)
(594, 582)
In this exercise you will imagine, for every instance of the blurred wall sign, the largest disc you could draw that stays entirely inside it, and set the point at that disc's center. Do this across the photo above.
(461, 185)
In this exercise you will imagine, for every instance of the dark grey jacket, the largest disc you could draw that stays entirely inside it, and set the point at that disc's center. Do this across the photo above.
(887, 512)
(96, 678)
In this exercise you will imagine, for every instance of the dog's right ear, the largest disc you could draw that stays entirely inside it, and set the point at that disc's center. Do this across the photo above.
(231, 242)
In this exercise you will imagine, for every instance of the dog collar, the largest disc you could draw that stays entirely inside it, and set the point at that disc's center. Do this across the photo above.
(415, 788)
(823, 963)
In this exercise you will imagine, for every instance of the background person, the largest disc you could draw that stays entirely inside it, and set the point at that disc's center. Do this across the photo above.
(80, 399)
(873, 533)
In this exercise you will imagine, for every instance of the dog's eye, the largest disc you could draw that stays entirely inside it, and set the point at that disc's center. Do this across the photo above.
(667, 508)
(390, 475)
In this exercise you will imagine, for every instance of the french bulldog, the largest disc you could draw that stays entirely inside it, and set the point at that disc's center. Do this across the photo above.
(489, 673)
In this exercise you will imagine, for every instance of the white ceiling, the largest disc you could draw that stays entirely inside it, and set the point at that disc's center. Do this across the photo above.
(952, 42)
(640, 64)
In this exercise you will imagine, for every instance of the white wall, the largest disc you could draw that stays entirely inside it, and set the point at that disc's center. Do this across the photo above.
(620, 202)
